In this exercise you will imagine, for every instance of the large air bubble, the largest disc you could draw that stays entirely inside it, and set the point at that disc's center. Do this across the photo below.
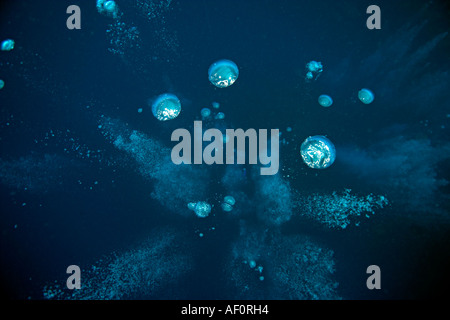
(7, 45)
(202, 209)
(220, 116)
(223, 73)
(366, 96)
(318, 152)
(325, 100)
(166, 107)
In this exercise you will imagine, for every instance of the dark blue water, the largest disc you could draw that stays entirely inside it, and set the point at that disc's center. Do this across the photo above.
(70, 196)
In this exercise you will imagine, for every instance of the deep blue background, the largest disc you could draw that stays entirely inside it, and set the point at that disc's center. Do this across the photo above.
(58, 72)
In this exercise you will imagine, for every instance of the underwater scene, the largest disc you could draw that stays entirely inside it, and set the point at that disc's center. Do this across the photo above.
(224, 150)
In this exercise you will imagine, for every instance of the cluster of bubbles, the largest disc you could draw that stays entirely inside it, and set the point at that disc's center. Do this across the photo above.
(252, 265)
(122, 37)
(313, 70)
(108, 8)
(404, 169)
(274, 202)
(153, 9)
(7, 45)
(222, 74)
(236, 181)
(274, 199)
(49, 171)
(247, 252)
(298, 268)
(138, 273)
(257, 255)
(228, 203)
(31, 68)
(164, 42)
(154, 163)
(207, 113)
(339, 210)
(318, 152)
(202, 209)
(70, 145)
(303, 269)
